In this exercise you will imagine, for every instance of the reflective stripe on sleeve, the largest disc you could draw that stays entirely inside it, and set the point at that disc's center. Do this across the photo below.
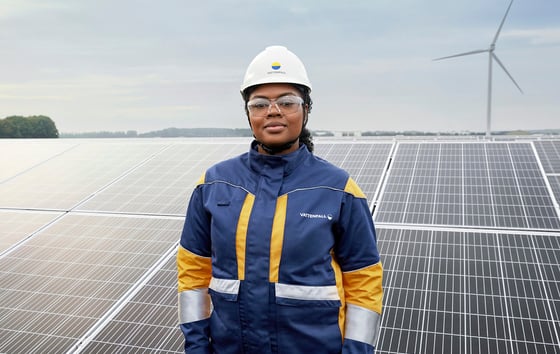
(303, 292)
(226, 286)
(362, 324)
(194, 305)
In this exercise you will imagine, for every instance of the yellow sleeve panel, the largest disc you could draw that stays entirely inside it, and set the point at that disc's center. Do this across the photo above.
(353, 188)
(193, 271)
(363, 287)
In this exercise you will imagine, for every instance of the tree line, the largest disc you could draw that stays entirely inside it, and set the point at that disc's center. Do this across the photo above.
(198, 132)
(101, 134)
(28, 127)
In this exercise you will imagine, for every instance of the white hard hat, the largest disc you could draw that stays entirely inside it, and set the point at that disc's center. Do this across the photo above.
(275, 64)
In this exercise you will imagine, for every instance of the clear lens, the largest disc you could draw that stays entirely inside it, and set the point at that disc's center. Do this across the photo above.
(285, 105)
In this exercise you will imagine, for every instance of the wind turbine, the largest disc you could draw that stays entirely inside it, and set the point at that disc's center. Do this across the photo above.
(491, 57)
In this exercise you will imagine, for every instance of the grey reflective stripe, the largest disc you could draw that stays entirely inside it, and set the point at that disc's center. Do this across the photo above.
(226, 286)
(362, 324)
(303, 292)
(194, 305)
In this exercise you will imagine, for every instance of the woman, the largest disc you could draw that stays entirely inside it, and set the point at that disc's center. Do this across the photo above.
(278, 253)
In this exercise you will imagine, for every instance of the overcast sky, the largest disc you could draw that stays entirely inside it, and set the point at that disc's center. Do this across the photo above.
(115, 65)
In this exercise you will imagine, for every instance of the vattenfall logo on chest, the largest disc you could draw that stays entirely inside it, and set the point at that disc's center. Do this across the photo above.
(316, 216)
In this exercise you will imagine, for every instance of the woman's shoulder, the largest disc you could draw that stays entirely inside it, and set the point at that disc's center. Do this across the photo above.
(320, 164)
(319, 171)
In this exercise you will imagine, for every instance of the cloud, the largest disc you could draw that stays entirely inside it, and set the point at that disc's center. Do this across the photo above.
(20, 8)
(157, 110)
(299, 10)
(26, 97)
(537, 36)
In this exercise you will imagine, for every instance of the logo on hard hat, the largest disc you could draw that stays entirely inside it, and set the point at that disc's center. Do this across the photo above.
(275, 65)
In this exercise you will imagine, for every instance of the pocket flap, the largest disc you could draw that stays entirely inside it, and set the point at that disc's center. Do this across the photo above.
(304, 295)
(228, 289)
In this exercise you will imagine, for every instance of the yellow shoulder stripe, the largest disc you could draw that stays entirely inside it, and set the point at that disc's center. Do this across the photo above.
(353, 188)
(201, 180)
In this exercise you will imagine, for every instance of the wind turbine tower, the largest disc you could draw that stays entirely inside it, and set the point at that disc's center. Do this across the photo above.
(491, 58)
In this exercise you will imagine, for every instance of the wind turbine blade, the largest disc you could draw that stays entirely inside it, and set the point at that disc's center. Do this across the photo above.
(463, 54)
(501, 24)
(508, 74)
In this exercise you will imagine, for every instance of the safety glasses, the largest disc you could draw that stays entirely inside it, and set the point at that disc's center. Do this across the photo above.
(259, 107)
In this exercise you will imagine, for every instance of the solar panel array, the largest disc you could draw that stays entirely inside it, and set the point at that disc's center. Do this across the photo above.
(469, 233)
(488, 185)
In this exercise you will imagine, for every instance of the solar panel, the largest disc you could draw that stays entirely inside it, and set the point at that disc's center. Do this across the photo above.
(73, 175)
(58, 284)
(20, 155)
(555, 185)
(549, 153)
(16, 226)
(153, 311)
(163, 184)
(549, 156)
(366, 162)
(493, 185)
(469, 292)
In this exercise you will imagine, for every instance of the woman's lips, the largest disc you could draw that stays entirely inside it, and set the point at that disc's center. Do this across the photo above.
(274, 127)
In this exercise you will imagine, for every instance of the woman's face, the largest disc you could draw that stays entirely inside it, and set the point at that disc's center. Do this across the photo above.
(275, 128)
